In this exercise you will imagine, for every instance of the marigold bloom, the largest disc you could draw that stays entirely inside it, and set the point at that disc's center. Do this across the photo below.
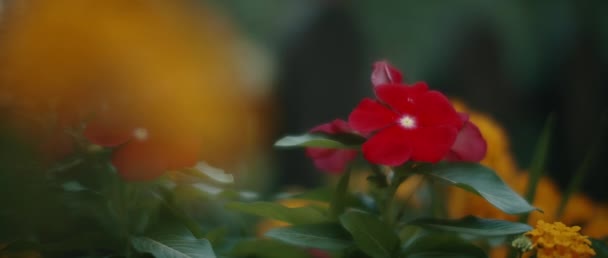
(408, 122)
(331, 160)
(557, 240)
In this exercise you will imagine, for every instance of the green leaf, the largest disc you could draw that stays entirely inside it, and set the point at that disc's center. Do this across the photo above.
(339, 198)
(443, 246)
(300, 215)
(172, 246)
(73, 186)
(371, 235)
(410, 233)
(600, 247)
(322, 194)
(326, 236)
(217, 235)
(315, 140)
(267, 248)
(213, 173)
(474, 226)
(483, 181)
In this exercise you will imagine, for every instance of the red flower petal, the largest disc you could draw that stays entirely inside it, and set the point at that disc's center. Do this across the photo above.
(434, 109)
(331, 160)
(431, 144)
(370, 115)
(391, 147)
(334, 127)
(385, 73)
(398, 97)
(470, 146)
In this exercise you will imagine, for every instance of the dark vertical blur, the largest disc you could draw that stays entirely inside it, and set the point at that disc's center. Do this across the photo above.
(321, 77)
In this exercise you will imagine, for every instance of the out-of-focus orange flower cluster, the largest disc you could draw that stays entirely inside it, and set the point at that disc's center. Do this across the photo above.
(580, 210)
(162, 67)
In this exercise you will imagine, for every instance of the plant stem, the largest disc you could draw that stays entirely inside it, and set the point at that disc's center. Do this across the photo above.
(338, 200)
(538, 162)
(437, 202)
(389, 212)
(401, 210)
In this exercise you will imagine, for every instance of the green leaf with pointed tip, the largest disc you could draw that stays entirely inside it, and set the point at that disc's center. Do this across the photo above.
(371, 235)
(346, 141)
(474, 226)
(172, 246)
(300, 215)
(326, 236)
(442, 246)
(483, 181)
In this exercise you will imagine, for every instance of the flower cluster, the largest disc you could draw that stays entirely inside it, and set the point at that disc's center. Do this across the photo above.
(405, 122)
(558, 240)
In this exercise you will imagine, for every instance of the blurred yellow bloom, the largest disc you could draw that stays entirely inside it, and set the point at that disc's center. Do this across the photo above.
(579, 209)
(164, 65)
(557, 240)
(597, 226)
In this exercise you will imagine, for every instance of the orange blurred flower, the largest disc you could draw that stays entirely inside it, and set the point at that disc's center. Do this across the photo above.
(119, 65)
(597, 226)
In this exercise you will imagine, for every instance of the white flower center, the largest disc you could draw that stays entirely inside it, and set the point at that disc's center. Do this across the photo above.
(408, 122)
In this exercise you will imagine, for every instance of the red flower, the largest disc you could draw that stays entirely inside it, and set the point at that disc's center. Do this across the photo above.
(385, 73)
(470, 146)
(331, 160)
(408, 122)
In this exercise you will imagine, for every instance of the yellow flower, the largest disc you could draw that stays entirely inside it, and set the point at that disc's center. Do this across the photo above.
(558, 240)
